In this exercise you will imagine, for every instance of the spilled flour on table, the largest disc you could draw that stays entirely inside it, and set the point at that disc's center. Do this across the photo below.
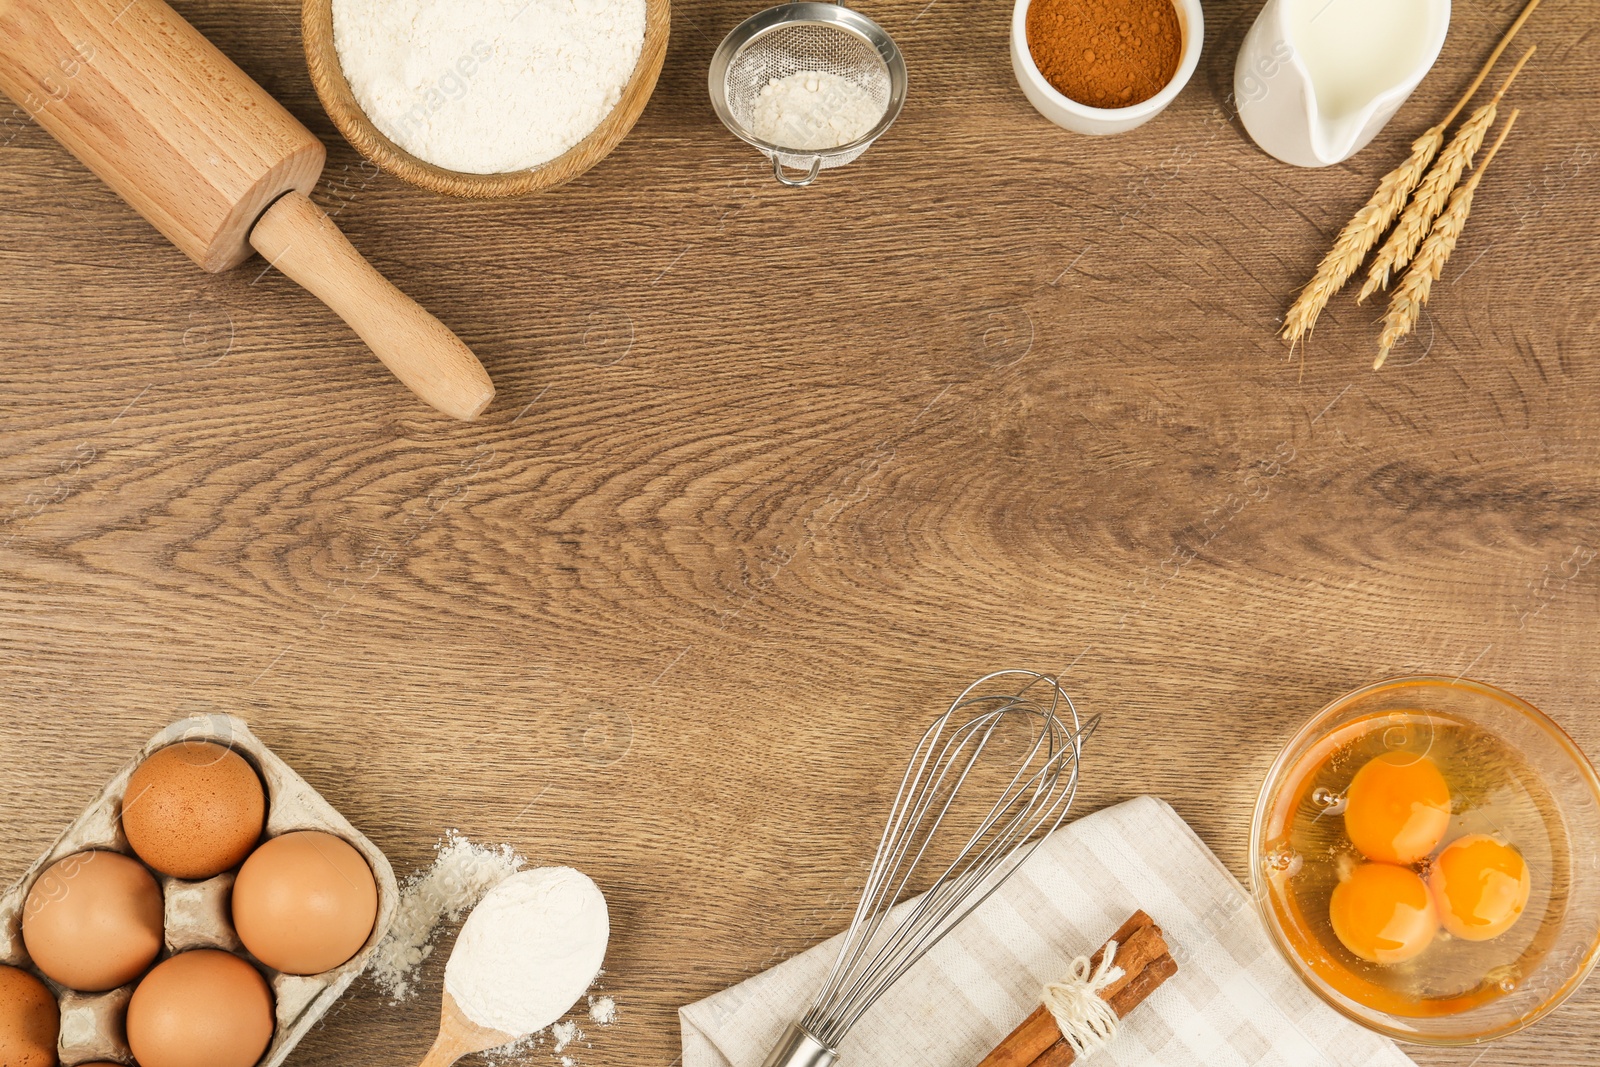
(565, 1034)
(461, 874)
(516, 1052)
(563, 1038)
(602, 1011)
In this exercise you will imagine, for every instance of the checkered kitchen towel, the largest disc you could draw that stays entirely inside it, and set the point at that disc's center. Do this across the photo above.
(1233, 1002)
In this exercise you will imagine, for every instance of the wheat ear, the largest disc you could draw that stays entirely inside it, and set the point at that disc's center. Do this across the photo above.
(1379, 213)
(1412, 294)
(1359, 235)
(1435, 190)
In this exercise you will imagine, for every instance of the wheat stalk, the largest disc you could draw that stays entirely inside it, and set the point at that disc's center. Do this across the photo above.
(1412, 294)
(1379, 213)
(1494, 57)
(1358, 237)
(1435, 190)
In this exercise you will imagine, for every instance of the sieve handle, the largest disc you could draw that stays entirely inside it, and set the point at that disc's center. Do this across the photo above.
(783, 176)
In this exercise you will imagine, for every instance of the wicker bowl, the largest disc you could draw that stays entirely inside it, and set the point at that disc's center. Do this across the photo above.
(328, 76)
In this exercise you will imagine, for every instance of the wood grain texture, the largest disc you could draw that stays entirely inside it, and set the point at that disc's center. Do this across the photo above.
(774, 473)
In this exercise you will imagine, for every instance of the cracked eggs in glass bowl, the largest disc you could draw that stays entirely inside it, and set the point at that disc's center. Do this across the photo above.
(1424, 855)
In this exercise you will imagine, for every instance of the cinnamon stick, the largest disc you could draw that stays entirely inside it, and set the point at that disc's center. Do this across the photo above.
(1143, 947)
(1139, 944)
(1126, 999)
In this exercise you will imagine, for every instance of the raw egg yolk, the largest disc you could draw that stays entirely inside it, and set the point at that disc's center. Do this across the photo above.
(1383, 913)
(1480, 886)
(1397, 808)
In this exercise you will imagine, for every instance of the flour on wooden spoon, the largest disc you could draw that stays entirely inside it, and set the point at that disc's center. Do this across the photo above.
(529, 951)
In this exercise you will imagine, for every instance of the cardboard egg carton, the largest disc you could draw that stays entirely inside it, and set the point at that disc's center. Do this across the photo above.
(199, 914)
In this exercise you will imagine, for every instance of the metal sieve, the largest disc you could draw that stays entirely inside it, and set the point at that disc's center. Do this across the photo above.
(805, 35)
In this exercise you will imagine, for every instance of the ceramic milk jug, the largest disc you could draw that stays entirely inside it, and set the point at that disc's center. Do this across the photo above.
(1317, 79)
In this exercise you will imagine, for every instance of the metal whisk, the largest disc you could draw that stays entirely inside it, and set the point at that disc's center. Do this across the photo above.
(878, 949)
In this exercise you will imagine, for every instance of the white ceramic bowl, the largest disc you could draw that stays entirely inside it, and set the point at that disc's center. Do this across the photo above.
(1081, 118)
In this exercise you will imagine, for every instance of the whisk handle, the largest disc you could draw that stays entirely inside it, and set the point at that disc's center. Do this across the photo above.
(800, 1049)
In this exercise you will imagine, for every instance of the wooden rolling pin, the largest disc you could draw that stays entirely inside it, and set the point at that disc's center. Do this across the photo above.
(221, 168)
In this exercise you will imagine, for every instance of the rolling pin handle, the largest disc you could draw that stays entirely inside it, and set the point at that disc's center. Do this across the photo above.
(297, 237)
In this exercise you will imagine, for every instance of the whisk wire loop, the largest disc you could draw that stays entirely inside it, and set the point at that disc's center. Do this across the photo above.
(932, 917)
(880, 947)
(885, 883)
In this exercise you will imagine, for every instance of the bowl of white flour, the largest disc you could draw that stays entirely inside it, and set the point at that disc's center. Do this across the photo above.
(485, 98)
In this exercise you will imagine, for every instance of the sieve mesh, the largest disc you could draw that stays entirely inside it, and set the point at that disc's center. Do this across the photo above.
(805, 46)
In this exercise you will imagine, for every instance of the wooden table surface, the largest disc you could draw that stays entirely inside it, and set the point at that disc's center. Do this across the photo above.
(773, 473)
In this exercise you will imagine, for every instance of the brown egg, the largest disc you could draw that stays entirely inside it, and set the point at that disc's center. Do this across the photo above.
(30, 1020)
(93, 921)
(201, 1009)
(194, 810)
(305, 902)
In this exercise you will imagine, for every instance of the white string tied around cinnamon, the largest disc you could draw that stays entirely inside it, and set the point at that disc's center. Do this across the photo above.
(1086, 1020)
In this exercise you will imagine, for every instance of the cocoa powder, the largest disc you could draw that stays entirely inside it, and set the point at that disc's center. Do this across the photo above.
(1105, 53)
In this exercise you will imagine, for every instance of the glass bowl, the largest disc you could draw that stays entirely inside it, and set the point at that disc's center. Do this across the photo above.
(1549, 768)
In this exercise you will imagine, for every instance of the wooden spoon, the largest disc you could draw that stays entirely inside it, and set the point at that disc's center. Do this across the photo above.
(459, 1036)
(569, 897)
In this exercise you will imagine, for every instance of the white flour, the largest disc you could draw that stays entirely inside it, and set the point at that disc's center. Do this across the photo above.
(529, 950)
(486, 86)
(461, 874)
(602, 1011)
(565, 1034)
(814, 110)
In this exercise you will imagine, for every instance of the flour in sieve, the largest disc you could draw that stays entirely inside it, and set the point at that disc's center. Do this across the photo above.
(487, 86)
(813, 110)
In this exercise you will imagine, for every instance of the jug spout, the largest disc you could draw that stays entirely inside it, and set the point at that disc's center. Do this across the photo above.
(1317, 79)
